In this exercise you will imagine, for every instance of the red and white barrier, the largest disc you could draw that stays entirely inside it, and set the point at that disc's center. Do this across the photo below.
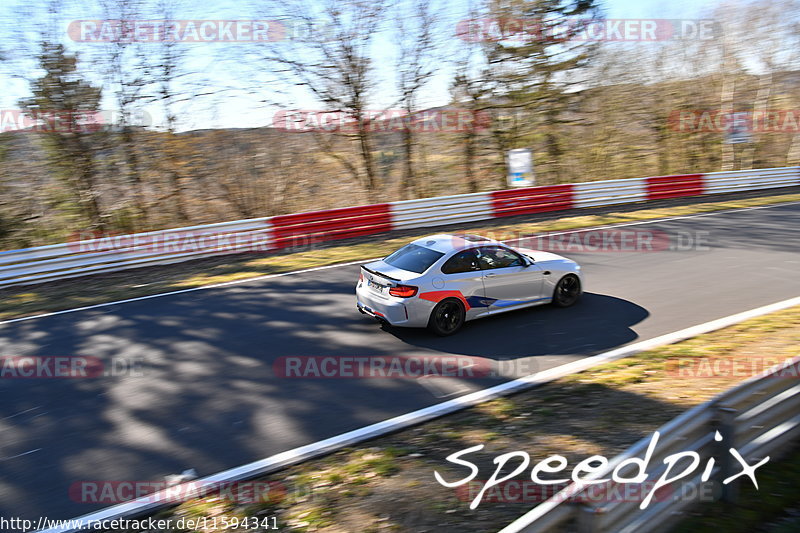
(303, 229)
(109, 254)
(674, 186)
(441, 210)
(532, 200)
(598, 193)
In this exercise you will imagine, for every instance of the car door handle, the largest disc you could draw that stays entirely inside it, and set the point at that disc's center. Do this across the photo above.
(489, 275)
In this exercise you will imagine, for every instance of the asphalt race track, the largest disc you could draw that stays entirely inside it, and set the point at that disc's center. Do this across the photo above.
(204, 395)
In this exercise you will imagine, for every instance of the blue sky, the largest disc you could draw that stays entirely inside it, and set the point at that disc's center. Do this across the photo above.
(241, 108)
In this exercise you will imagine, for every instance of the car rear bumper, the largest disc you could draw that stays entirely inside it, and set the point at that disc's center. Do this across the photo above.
(403, 312)
(377, 315)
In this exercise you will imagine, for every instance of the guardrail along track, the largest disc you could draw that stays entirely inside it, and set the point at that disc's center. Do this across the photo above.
(758, 418)
(109, 254)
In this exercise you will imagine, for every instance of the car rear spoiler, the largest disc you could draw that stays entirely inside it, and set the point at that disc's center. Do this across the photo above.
(373, 272)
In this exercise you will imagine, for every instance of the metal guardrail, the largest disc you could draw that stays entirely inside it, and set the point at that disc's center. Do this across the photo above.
(747, 180)
(758, 418)
(114, 253)
(610, 192)
(94, 256)
(441, 210)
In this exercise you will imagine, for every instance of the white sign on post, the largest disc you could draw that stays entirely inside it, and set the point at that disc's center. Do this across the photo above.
(520, 167)
(738, 128)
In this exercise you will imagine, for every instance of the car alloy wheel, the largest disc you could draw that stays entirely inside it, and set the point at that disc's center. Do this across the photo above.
(567, 291)
(447, 317)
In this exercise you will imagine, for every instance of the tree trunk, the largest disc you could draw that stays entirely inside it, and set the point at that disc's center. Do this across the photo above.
(132, 161)
(409, 186)
(365, 148)
(469, 162)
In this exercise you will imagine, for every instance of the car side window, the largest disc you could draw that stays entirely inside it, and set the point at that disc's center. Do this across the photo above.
(491, 257)
(464, 261)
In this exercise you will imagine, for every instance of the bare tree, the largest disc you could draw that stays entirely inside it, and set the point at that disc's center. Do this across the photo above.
(167, 84)
(769, 27)
(336, 67)
(472, 88)
(124, 65)
(416, 64)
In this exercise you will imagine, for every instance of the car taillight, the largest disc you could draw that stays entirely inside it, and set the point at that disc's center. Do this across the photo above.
(360, 277)
(403, 291)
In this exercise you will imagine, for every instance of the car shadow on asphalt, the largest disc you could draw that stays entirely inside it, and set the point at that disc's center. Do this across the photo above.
(205, 394)
(597, 323)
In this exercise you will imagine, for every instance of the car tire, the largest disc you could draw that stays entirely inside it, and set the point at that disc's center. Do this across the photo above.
(447, 317)
(567, 291)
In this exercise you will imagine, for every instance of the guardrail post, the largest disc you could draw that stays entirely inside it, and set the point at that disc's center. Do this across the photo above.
(726, 420)
(589, 518)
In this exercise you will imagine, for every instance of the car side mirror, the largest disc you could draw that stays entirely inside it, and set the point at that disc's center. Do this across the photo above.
(529, 261)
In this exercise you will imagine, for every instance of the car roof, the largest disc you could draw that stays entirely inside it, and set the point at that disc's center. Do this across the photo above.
(448, 242)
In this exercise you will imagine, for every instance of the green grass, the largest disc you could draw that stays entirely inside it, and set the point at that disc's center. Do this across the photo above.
(763, 510)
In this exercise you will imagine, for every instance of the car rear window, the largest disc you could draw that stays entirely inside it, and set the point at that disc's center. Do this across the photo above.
(413, 258)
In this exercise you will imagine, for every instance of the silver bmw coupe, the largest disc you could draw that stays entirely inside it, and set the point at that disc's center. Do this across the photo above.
(443, 280)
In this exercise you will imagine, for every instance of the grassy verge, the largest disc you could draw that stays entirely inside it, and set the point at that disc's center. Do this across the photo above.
(388, 483)
(27, 300)
(773, 508)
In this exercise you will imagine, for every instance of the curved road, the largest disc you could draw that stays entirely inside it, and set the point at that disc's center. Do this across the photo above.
(203, 394)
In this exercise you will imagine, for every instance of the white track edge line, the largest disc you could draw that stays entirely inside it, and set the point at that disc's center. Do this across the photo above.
(303, 453)
(361, 261)
(182, 291)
